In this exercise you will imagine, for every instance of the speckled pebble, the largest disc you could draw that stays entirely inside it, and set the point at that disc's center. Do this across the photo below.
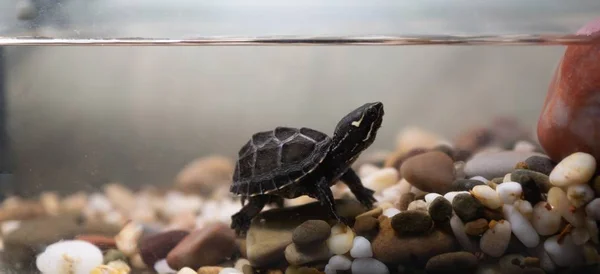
(310, 233)
(74, 256)
(467, 207)
(509, 192)
(341, 239)
(368, 266)
(440, 210)
(546, 219)
(580, 195)
(297, 257)
(565, 253)
(450, 195)
(495, 240)
(465, 184)
(540, 164)
(487, 196)
(577, 168)
(412, 222)
(477, 227)
(521, 227)
(361, 248)
(419, 205)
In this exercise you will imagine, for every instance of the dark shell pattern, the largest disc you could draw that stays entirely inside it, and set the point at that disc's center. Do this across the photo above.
(274, 159)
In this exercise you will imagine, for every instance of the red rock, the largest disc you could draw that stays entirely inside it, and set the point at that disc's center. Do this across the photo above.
(101, 241)
(156, 246)
(570, 118)
(211, 245)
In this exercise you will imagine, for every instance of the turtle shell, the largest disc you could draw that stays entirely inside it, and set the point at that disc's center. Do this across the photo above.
(271, 160)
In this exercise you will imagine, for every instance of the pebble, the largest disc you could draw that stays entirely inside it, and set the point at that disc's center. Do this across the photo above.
(389, 248)
(458, 229)
(113, 255)
(577, 168)
(381, 179)
(477, 227)
(467, 207)
(546, 219)
(391, 212)
(210, 270)
(593, 209)
(367, 169)
(209, 245)
(375, 212)
(128, 237)
(450, 195)
(137, 262)
(296, 257)
(418, 205)
(162, 267)
(156, 247)
(204, 175)
(341, 239)
(459, 169)
(361, 248)
(405, 200)
(525, 208)
(412, 222)
(240, 263)
(495, 215)
(521, 227)
(540, 164)
(495, 164)
(495, 240)
(74, 256)
(368, 266)
(480, 179)
(596, 186)
(430, 172)
(590, 254)
(509, 192)
(565, 253)
(229, 270)
(101, 241)
(430, 197)
(440, 210)
(558, 199)
(419, 194)
(592, 227)
(414, 137)
(396, 159)
(311, 232)
(487, 196)
(453, 262)
(524, 176)
(339, 262)
(465, 184)
(366, 226)
(580, 235)
(580, 195)
(186, 270)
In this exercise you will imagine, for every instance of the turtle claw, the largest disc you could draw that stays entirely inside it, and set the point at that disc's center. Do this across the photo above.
(366, 198)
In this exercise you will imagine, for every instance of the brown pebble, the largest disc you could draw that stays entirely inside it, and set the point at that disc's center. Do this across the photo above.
(156, 246)
(311, 232)
(405, 200)
(101, 241)
(247, 269)
(430, 172)
(521, 165)
(596, 185)
(490, 214)
(412, 222)
(477, 227)
(366, 226)
(396, 159)
(209, 270)
(531, 262)
(210, 245)
(375, 212)
(274, 271)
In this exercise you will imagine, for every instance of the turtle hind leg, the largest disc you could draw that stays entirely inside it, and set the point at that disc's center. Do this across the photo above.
(240, 221)
(325, 197)
(362, 194)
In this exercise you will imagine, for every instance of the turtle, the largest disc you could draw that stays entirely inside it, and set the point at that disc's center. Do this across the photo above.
(288, 162)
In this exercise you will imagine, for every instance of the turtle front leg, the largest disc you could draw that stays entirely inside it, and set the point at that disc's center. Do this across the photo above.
(241, 220)
(362, 194)
(325, 197)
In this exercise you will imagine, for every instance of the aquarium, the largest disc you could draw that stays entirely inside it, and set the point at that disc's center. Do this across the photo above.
(299, 136)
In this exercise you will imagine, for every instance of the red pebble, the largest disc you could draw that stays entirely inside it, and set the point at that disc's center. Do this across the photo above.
(101, 241)
(570, 118)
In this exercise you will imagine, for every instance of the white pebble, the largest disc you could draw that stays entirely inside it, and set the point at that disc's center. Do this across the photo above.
(593, 209)
(546, 219)
(240, 263)
(558, 198)
(381, 179)
(186, 270)
(99, 203)
(507, 178)
(339, 262)
(367, 169)
(127, 238)
(592, 227)
(575, 169)
(450, 195)
(391, 212)
(10, 226)
(520, 226)
(329, 270)
(162, 267)
(361, 248)
(417, 205)
(69, 256)
(487, 196)
(580, 235)
(565, 253)
(368, 266)
(479, 178)
(495, 240)
(524, 146)
(430, 197)
(509, 192)
(580, 195)
(341, 239)
(458, 228)
(229, 270)
(525, 208)
(546, 263)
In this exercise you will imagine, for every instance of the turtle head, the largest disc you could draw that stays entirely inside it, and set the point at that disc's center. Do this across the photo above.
(358, 129)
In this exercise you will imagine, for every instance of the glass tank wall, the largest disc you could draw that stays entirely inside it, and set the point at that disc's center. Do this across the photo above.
(299, 157)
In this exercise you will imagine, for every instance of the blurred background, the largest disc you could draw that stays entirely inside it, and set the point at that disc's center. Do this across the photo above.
(79, 117)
